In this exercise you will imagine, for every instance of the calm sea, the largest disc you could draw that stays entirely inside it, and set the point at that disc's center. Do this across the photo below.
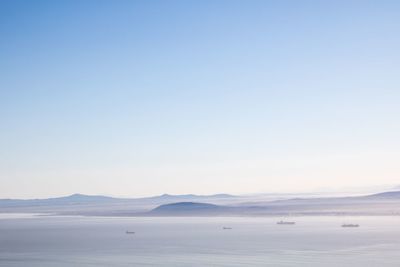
(97, 241)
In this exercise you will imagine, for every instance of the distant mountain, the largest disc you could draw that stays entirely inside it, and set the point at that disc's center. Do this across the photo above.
(82, 198)
(388, 195)
(68, 200)
(105, 201)
(187, 197)
(387, 203)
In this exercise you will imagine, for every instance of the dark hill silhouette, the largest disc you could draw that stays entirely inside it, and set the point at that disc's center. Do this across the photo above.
(189, 208)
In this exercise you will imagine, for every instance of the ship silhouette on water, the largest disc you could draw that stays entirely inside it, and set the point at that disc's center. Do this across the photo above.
(350, 225)
(286, 222)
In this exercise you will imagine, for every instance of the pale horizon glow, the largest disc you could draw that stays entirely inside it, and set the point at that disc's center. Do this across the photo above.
(137, 98)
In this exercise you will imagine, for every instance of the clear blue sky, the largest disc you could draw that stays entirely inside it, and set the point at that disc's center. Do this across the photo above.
(134, 98)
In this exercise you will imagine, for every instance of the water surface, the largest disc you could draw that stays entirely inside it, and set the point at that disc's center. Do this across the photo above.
(97, 241)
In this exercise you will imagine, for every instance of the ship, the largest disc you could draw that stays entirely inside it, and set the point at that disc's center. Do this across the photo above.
(350, 225)
(286, 222)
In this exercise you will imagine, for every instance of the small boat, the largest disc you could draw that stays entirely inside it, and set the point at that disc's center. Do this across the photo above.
(226, 228)
(286, 222)
(350, 225)
(129, 232)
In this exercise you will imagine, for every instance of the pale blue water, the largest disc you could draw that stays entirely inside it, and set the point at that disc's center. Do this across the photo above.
(313, 241)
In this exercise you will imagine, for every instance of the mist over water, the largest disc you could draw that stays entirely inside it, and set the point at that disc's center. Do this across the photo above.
(101, 241)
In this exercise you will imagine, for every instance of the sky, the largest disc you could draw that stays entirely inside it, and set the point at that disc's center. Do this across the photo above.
(139, 98)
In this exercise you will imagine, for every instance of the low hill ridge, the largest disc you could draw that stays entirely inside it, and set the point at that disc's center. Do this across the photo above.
(187, 208)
